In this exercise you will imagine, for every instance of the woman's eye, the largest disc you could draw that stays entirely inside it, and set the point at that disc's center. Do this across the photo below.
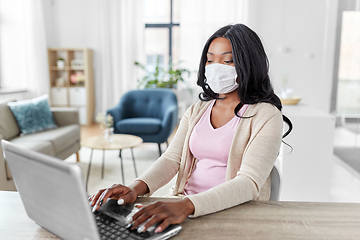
(209, 61)
(228, 62)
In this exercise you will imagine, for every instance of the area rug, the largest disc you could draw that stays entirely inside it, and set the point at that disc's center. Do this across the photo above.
(145, 155)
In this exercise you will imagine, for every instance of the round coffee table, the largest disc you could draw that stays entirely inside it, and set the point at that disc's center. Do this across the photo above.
(119, 142)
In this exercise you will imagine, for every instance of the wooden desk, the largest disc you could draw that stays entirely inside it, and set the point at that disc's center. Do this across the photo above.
(252, 220)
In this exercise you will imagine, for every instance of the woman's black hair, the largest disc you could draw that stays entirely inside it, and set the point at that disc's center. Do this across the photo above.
(252, 67)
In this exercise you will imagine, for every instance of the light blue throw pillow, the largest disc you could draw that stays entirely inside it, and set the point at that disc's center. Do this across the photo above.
(33, 115)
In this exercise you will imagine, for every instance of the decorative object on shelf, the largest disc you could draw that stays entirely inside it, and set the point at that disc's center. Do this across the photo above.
(77, 78)
(77, 64)
(60, 82)
(106, 123)
(287, 96)
(73, 78)
(60, 63)
(290, 101)
(160, 77)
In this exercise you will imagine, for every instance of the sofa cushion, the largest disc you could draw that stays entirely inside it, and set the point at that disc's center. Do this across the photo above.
(8, 126)
(139, 125)
(39, 146)
(60, 138)
(43, 147)
(33, 115)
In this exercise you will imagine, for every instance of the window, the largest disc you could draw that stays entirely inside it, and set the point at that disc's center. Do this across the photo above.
(12, 60)
(348, 92)
(161, 32)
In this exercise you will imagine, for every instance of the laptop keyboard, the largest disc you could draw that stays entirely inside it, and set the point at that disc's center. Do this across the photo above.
(110, 228)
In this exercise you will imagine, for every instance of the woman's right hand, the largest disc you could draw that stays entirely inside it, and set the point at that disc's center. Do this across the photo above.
(119, 192)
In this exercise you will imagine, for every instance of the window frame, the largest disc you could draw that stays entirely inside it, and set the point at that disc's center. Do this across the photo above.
(169, 26)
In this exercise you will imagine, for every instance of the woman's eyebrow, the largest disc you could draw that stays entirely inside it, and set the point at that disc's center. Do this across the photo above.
(210, 53)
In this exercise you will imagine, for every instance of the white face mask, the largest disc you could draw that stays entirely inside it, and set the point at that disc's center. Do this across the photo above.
(221, 78)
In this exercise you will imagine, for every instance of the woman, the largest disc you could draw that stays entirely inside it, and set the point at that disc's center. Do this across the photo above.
(226, 144)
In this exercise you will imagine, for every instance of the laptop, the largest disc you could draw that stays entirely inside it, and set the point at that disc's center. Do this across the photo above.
(54, 196)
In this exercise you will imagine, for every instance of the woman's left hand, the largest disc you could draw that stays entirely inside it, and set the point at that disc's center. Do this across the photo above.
(163, 212)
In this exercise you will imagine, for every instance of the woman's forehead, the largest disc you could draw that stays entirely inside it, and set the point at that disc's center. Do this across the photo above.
(219, 46)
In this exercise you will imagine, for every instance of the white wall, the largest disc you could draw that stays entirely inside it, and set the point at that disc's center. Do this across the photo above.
(74, 24)
(298, 35)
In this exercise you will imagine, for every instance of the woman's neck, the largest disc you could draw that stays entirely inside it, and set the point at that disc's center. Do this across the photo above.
(228, 100)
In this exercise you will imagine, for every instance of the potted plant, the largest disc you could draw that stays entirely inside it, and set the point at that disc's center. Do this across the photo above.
(60, 63)
(160, 77)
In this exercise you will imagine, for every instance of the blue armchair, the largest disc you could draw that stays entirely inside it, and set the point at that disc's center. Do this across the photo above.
(150, 114)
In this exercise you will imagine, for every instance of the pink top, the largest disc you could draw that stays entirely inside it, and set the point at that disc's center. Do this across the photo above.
(211, 147)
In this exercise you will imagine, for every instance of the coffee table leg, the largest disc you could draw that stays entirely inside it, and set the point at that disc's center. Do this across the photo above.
(102, 168)
(133, 158)
(88, 172)
(122, 168)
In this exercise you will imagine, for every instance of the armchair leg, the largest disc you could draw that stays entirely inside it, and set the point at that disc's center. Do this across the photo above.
(159, 149)
(77, 157)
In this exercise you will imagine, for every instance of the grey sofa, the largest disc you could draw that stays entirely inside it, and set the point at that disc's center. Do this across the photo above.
(60, 142)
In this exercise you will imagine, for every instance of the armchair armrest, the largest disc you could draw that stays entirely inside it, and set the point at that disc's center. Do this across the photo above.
(170, 119)
(65, 116)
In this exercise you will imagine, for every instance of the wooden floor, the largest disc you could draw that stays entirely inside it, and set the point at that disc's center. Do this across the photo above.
(90, 131)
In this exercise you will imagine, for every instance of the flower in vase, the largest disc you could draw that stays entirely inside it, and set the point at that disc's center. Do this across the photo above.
(109, 121)
(104, 121)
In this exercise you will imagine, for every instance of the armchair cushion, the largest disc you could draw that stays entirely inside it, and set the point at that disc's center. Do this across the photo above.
(139, 125)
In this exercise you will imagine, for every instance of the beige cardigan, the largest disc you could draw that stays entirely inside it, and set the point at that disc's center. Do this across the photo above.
(252, 156)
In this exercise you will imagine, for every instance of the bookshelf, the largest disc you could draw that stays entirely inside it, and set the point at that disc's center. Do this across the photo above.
(72, 81)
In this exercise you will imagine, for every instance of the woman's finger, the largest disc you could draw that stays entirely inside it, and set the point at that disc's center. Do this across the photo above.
(91, 197)
(116, 191)
(165, 223)
(142, 215)
(138, 205)
(155, 218)
(165, 213)
(143, 210)
(127, 197)
(100, 200)
(96, 196)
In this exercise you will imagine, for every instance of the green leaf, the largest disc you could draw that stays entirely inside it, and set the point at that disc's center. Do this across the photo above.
(160, 77)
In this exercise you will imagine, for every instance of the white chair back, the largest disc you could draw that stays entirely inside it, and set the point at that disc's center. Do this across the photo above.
(275, 184)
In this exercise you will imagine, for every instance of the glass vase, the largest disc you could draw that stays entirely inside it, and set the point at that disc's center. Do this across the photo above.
(108, 134)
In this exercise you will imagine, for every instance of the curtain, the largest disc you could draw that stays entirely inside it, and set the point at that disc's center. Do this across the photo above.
(121, 44)
(23, 51)
(35, 51)
(199, 20)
